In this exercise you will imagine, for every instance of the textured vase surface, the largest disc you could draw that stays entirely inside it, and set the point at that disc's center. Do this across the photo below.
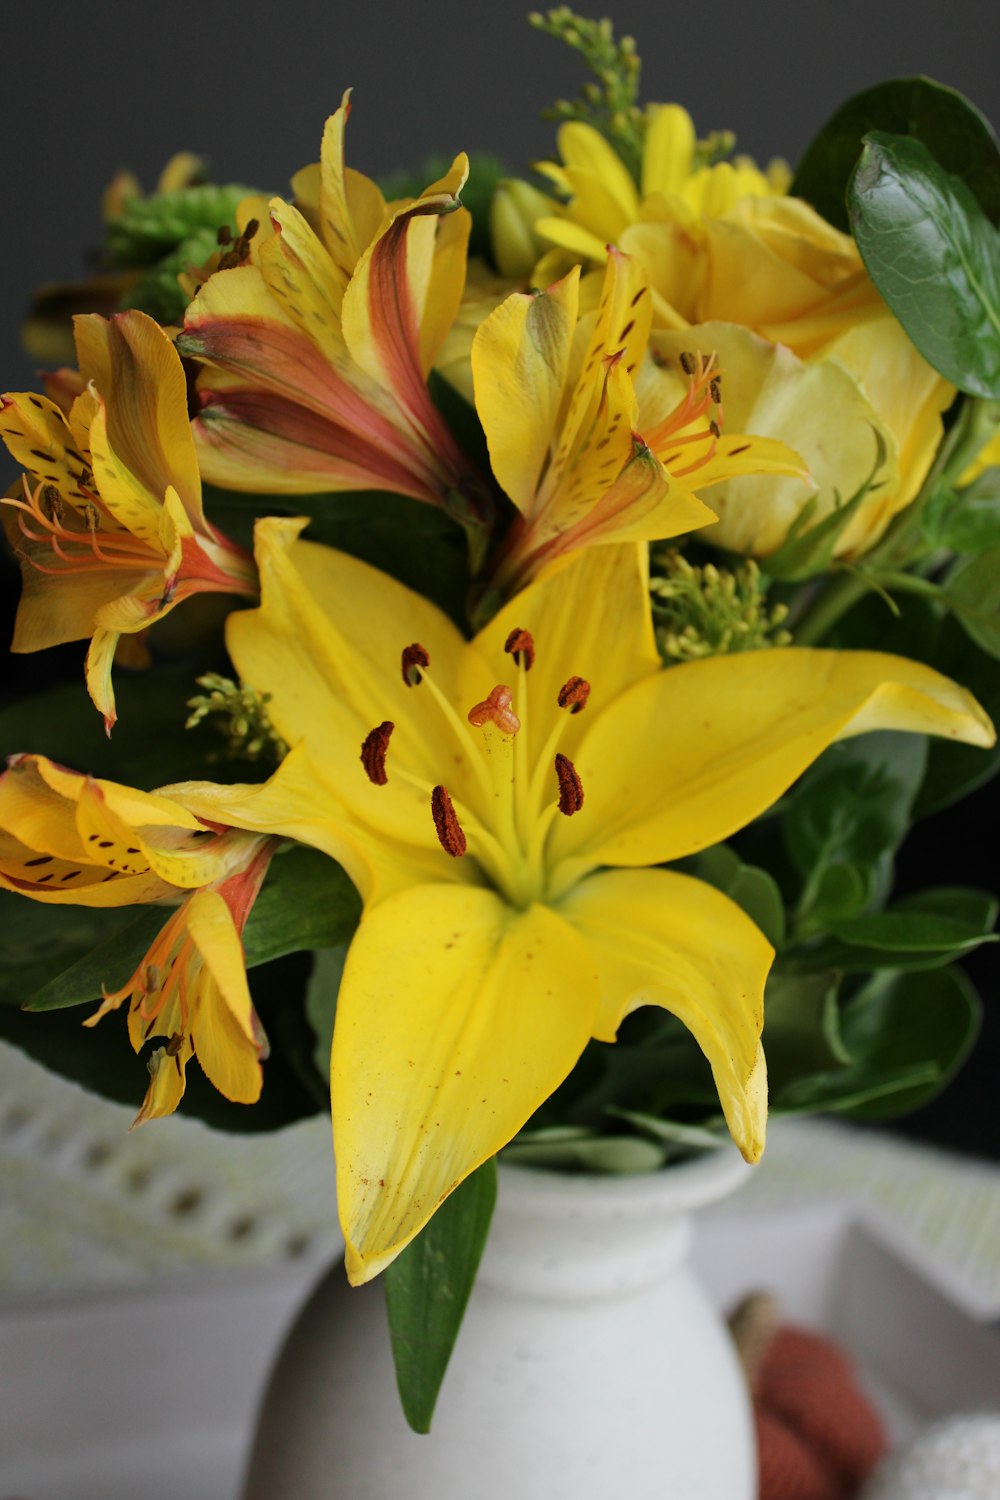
(590, 1364)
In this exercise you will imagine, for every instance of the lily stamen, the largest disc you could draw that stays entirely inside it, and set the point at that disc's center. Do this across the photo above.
(446, 824)
(373, 752)
(570, 786)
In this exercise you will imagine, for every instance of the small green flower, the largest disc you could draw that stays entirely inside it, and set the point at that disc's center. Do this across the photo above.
(710, 611)
(243, 718)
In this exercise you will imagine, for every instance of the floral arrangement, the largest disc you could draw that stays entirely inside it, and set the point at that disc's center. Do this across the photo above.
(592, 578)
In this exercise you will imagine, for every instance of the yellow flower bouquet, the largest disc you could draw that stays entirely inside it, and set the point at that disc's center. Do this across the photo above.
(593, 577)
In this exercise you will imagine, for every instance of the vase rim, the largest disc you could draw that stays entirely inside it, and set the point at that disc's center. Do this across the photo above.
(678, 1186)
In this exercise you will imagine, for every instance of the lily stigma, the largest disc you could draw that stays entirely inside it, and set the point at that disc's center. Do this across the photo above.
(505, 826)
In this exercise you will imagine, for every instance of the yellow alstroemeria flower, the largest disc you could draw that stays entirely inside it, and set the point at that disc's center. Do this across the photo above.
(725, 244)
(318, 348)
(112, 534)
(554, 389)
(68, 839)
(598, 198)
(514, 798)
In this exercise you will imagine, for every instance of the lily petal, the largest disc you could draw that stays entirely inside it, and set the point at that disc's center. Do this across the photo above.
(665, 939)
(457, 1016)
(692, 755)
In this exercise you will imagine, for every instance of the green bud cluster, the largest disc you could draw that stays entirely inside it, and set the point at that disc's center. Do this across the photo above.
(243, 718)
(710, 611)
(609, 103)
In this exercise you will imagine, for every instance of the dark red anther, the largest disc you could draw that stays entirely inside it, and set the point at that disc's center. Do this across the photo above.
(521, 646)
(688, 362)
(446, 824)
(373, 752)
(570, 786)
(574, 694)
(414, 657)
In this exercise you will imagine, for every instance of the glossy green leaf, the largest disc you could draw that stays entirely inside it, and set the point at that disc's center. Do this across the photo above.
(753, 889)
(972, 591)
(966, 521)
(427, 1288)
(953, 771)
(38, 940)
(924, 931)
(951, 127)
(809, 549)
(306, 902)
(321, 1000)
(933, 255)
(928, 1020)
(801, 1025)
(854, 806)
(101, 1058)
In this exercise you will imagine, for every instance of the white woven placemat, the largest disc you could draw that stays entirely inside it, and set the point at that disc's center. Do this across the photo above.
(86, 1205)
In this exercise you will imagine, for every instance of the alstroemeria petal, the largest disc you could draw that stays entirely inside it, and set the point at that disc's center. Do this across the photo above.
(665, 939)
(457, 1016)
(584, 148)
(38, 437)
(668, 149)
(692, 755)
(224, 1034)
(818, 408)
(141, 382)
(520, 361)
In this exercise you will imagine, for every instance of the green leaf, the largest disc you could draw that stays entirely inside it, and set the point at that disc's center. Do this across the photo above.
(933, 255)
(928, 1020)
(101, 1059)
(945, 121)
(967, 521)
(855, 801)
(149, 745)
(972, 591)
(579, 1150)
(307, 902)
(808, 550)
(923, 931)
(801, 1026)
(37, 940)
(955, 770)
(753, 889)
(417, 544)
(427, 1288)
(321, 1000)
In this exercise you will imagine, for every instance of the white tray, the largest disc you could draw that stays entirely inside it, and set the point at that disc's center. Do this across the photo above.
(154, 1393)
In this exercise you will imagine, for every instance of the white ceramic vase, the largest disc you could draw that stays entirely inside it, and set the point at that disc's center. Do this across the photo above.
(590, 1364)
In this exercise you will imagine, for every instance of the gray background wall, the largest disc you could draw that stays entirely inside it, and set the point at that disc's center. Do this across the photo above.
(89, 88)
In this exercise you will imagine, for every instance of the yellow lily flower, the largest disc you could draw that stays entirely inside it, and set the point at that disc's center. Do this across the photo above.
(112, 534)
(555, 394)
(514, 798)
(68, 839)
(318, 347)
